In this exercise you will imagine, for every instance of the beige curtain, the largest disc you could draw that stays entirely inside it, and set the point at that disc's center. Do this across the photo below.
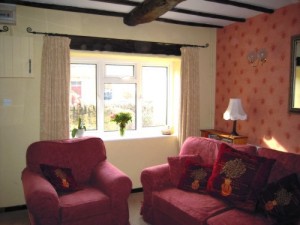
(55, 85)
(189, 124)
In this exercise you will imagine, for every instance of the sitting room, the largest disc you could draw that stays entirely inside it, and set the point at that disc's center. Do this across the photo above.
(146, 89)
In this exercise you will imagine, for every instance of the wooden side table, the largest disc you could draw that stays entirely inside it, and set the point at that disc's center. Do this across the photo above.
(223, 136)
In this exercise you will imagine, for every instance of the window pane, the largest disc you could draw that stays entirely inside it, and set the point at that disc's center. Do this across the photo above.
(119, 98)
(119, 71)
(83, 96)
(154, 96)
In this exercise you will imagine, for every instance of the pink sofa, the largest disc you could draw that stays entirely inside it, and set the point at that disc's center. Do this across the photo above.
(99, 196)
(165, 203)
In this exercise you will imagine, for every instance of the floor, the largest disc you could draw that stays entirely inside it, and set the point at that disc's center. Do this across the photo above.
(20, 217)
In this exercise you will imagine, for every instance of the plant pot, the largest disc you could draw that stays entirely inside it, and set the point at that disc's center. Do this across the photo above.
(79, 133)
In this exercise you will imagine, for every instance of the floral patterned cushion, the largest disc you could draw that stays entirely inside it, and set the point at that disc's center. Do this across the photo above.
(195, 177)
(61, 178)
(281, 199)
(177, 165)
(238, 177)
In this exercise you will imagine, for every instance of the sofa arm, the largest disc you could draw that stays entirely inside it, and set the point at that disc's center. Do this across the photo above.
(117, 186)
(153, 179)
(41, 198)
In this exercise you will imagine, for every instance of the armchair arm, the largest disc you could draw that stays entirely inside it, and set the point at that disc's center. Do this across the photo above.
(117, 186)
(153, 179)
(41, 198)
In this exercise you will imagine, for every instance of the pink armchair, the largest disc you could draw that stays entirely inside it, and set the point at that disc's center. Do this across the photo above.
(103, 188)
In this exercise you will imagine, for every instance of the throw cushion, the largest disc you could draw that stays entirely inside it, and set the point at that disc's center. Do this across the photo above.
(238, 177)
(281, 199)
(177, 165)
(195, 178)
(61, 178)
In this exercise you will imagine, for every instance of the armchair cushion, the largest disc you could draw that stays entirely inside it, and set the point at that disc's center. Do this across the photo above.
(61, 178)
(87, 202)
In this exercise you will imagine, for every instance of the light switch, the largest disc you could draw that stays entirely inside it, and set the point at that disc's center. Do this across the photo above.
(6, 102)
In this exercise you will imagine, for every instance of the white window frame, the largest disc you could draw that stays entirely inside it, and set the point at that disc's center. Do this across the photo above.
(101, 80)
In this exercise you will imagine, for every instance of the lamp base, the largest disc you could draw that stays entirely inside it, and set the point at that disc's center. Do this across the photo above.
(233, 132)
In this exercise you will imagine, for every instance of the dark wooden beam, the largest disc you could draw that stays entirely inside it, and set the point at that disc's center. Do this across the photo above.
(188, 23)
(149, 10)
(120, 2)
(178, 10)
(243, 5)
(209, 15)
(64, 8)
(111, 13)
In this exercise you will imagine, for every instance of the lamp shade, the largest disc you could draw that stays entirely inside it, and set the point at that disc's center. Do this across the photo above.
(235, 110)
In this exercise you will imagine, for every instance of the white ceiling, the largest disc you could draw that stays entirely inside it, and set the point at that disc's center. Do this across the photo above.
(202, 6)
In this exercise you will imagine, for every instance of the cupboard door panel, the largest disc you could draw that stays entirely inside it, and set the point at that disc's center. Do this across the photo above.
(16, 56)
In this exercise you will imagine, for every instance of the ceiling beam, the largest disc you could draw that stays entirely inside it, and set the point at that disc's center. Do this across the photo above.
(188, 23)
(178, 10)
(243, 5)
(119, 14)
(209, 15)
(64, 8)
(119, 2)
(149, 10)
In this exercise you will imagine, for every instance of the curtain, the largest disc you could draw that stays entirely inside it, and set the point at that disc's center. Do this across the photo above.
(189, 124)
(55, 85)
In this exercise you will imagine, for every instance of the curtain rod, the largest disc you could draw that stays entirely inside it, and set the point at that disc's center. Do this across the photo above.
(29, 30)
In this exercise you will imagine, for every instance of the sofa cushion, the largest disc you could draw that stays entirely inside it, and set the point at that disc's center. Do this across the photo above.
(85, 203)
(177, 165)
(286, 163)
(61, 178)
(238, 177)
(281, 199)
(239, 217)
(195, 177)
(187, 207)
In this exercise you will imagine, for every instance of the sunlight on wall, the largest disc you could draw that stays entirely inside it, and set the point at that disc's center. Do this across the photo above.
(274, 144)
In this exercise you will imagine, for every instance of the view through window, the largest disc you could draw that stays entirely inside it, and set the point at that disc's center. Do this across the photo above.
(101, 88)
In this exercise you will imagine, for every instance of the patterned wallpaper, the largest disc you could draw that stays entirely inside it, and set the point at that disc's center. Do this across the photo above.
(264, 89)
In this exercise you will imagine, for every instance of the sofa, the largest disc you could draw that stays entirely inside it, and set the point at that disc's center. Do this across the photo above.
(172, 196)
(71, 182)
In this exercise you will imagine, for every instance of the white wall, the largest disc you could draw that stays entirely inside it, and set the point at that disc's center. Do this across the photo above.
(20, 121)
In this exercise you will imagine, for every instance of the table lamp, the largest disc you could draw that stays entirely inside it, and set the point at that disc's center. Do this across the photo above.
(234, 112)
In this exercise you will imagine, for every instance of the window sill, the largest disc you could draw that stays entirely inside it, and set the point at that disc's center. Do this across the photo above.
(129, 135)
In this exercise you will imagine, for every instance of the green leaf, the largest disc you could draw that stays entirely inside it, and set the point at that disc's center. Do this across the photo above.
(74, 131)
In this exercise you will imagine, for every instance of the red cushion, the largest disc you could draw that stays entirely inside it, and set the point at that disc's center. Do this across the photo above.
(85, 203)
(61, 178)
(238, 177)
(281, 199)
(195, 177)
(177, 166)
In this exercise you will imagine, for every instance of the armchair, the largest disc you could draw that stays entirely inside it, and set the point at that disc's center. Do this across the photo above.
(103, 190)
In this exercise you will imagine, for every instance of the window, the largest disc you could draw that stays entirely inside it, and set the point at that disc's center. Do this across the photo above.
(101, 87)
(83, 95)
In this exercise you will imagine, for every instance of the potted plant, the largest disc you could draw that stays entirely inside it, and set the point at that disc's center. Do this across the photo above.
(78, 132)
(121, 119)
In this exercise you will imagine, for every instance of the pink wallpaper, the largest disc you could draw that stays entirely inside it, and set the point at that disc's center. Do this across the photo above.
(264, 90)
